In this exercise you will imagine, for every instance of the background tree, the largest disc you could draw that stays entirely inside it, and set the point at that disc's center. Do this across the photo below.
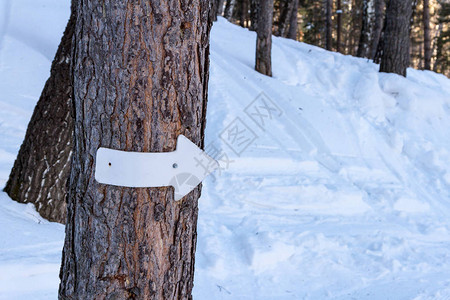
(140, 80)
(329, 25)
(263, 56)
(293, 21)
(41, 170)
(243, 12)
(286, 11)
(216, 9)
(427, 35)
(254, 12)
(395, 57)
(339, 25)
(368, 14)
(442, 63)
(377, 26)
(359, 28)
(229, 8)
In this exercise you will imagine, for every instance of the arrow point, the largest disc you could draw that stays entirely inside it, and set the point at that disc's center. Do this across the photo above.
(200, 166)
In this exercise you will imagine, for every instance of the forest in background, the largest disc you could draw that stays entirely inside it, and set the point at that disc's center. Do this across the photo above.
(353, 27)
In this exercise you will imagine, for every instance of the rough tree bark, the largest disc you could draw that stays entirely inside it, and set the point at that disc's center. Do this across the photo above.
(377, 27)
(140, 79)
(328, 24)
(395, 56)
(293, 22)
(426, 35)
(41, 170)
(264, 38)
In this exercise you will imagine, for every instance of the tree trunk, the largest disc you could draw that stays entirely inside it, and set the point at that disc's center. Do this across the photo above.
(285, 17)
(328, 24)
(395, 57)
(426, 35)
(353, 37)
(243, 12)
(220, 7)
(216, 9)
(377, 27)
(41, 170)
(229, 8)
(339, 26)
(264, 38)
(366, 29)
(293, 22)
(254, 12)
(140, 80)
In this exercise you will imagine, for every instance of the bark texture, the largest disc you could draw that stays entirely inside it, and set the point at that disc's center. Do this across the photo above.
(264, 38)
(41, 170)
(426, 35)
(293, 22)
(328, 24)
(140, 80)
(395, 53)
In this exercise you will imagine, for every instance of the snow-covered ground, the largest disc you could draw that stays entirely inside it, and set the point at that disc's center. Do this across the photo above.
(335, 180)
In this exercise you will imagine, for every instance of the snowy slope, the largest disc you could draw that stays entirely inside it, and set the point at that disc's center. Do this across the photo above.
(335, 180)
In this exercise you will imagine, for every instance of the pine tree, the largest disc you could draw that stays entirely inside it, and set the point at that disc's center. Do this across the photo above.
(41, 170)
(442, 63)
(426, 35)
(263, 56)
(395, 56)
(293, 22)
(329, 25)
(140, 77)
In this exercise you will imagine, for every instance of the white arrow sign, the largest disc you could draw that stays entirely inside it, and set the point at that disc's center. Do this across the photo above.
(183, 168)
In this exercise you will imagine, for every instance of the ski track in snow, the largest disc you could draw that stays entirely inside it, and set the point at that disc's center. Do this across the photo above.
(343, 193)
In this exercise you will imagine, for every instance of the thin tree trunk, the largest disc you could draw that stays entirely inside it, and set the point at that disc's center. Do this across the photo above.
(395, 57)
(413, 13)
(215, 7)
(41, 170)
(220, 7)
(140, 80)
(328, 24)
(377, 27)
(264, 38)
(229, 9)
(366, 32)
(243, 12)
(353, 32)
(293, 22)
(339, 26)
(254, 12)
(285, 17)
(439, 49)
(426, 35)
